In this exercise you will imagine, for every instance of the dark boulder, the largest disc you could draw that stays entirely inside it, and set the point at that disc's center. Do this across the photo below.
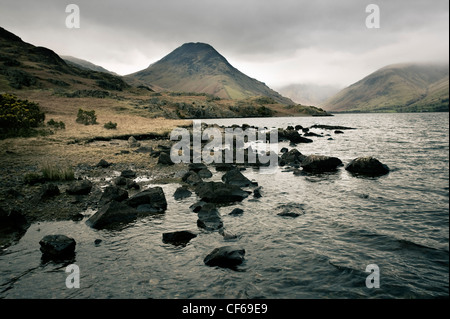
(294, 137)
(205, 173)
(290, 210)
(224, 167)
(298, 127)
(197, 167)
(236, 212)
(128, 173)
(110, 214)
(226, 256)
(113, 193)
(178, 237)
(103, 164)
(257, 192)
(57, 246)
(197, 206)
(164, 159)
(49, 191)
(320, 163)
(369, 166)
(191, 178)
(218, 192)
(209, 218)
(235, 177)
(80, 188)
(182, 192)
(154, 197)
(291, 158)
(338, 132)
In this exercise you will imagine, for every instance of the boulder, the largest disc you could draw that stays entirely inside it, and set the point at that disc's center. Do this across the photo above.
(294, 137)
(164, 159)
(113, 193)
(128, 173)
(154, 197)
(218, 192)
(236, 212)
(291, 158)
(178, 237)
(224, 167)
(112, 213)
(80, 188)
(235, 177)
(197, 167)
(57, 246)
(191, 178)
(205, 173)
(103, 164)
(132, 142)
(197, 206)
(226, 256)
(369, 166)
(290, 210)
(209, 218)
(48, 191)
(257, 192)
(182, 192)
(320, 163)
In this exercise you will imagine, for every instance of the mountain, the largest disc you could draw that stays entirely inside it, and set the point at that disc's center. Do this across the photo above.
(198, 67)
(309, 94)
(396, 88)
(80, 63)
(23, 65)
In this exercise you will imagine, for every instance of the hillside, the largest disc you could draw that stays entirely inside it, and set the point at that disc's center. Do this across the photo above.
(309, 94)
(396, 88)
(198, 67)
(83, 64)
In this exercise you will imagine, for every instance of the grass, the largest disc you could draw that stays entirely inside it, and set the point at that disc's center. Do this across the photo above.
(52, 172)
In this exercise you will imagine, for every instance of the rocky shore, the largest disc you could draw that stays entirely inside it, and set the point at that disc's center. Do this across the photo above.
(130, 192)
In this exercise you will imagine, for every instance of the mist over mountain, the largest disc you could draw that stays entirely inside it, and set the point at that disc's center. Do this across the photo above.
(408, 87)
(198, 67)
(309, 94)
(85, 64)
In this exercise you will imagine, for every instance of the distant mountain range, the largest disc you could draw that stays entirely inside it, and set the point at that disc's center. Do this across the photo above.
(198, 67)
(309, 94)
(396, 88)
(85, 64)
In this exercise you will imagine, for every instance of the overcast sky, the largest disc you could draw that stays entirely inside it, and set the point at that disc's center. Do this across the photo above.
(278, 42)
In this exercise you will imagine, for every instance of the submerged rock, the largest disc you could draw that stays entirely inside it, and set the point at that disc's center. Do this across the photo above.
(209, 218)
(57, 246)
(154, 197)
(235, 177)
(181, 193)
(113, 193)
(291, 157)
(226, 256)
(290, 210)
(178, 237)
(369, 166)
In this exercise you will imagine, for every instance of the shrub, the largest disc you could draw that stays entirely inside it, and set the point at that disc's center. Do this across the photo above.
(56, 125)
(86, 117)
(110, 125)
(57, 173)
(18, 117)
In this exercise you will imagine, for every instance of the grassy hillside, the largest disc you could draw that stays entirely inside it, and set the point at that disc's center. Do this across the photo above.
(396, 88)
(198, 67)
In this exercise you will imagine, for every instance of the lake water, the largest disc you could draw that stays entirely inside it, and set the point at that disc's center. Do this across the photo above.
(399, 222)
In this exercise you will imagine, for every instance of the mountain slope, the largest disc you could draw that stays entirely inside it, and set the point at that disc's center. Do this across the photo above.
(23, 65)
(396, 88)
(309, 94)
(198, 67)
(80, 63)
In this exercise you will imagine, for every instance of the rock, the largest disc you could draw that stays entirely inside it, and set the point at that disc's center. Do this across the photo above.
(48, 191)
(218, 192)
(236, 212)
(132, 142)
(120, 181)
(224, 167)
(291, 158)
(110, 214)
(191, 178)
(205, 173)
(312, 134)
(257, 192)
(209, 218)
(226, 256)
(103, 164)
(228, 236)
(113, 193)
(284, 150)
(128, 173)
(97, 242)
(289, 128)
(12, 220)
(197, 167)
(182, 192)
(144, 150)
(164, 159)
(298, 127)
(153, 196)
(132, 184)
(178, 237)
(235, 177)
(294, 137)
(57, 246)
(369, 166)
(320, 163)
(80, 188)
(338, 132)
(290, 210)
(197, 206)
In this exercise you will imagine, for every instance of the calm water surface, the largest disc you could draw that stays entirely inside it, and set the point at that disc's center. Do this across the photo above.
(399, 222)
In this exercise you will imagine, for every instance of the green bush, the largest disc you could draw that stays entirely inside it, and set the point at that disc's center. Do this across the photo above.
(110, 125)
(18, 117)
(57, 125)
(86, 117)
